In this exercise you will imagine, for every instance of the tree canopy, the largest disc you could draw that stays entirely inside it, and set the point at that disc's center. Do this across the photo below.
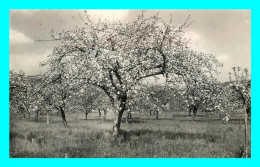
(116, 57)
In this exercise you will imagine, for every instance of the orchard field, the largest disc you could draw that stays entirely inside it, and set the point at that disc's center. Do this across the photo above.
(129, 89)
(172, 135)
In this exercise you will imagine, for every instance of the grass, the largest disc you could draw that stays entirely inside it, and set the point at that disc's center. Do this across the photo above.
(174, 135)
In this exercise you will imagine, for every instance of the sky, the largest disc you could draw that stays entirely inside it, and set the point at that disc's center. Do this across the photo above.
(224, 33)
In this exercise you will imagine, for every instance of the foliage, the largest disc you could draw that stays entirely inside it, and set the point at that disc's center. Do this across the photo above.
(88, 99)
(240, 82)
(24, 93)
(116, 57)
(18, 92)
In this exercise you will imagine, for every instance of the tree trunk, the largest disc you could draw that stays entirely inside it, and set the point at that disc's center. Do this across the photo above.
(126, 120)
(248, 110)
(48, 118)
(63, 116)
(36, 116)
(130, 115)
(29, 114)
(150, 112)
(86, 115)
(156, 115)
(195, 109)
(189, 111)
(194, 113)
(99, 113)
(118, 118)
(105, 115)
(117, 122)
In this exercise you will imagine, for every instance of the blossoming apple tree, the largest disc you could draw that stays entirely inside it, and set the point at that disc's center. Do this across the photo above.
(117, 57)
(18, 93)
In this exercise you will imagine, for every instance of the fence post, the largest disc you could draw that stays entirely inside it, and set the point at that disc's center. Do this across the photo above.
(66, 155)
(48, 118)
(245, 133)
(239, 119)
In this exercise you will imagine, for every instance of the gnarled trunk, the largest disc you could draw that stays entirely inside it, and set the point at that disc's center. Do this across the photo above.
(117, 122)
(63, 116)
(118, 117)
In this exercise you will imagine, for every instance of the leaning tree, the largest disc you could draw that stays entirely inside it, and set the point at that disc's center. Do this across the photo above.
(117, 57)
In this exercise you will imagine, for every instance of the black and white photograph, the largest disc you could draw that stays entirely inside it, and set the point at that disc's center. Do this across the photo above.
(121, 83)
